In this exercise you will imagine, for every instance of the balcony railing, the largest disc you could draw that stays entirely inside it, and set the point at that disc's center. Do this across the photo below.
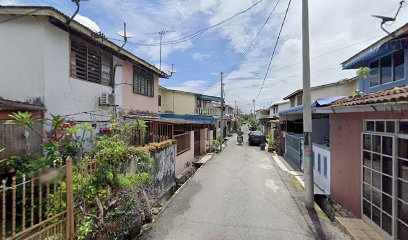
(208, 111)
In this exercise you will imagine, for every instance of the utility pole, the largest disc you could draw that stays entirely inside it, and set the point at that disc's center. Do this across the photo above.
(307, 110)
(222, 111)
(161, 34)
(253, 102)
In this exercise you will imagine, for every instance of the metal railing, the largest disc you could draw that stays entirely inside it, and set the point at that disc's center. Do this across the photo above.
(183, 142)
(208, 111)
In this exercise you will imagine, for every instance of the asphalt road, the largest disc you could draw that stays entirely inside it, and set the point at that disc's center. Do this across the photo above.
(240, 194)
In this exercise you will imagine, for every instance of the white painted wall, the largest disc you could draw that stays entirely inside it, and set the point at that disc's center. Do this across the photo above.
(320, 179)
(34, 64)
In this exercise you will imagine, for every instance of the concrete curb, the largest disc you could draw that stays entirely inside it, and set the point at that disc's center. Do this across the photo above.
(302, 184)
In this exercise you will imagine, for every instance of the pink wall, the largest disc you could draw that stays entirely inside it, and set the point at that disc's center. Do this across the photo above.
(137, 102)
(184, 160)
(345, 145)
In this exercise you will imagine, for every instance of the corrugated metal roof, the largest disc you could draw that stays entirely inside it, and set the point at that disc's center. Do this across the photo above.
(398, 94)
(8, 105)
(321, 102)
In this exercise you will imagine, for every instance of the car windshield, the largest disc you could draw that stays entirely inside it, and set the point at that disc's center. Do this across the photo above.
(257, 133)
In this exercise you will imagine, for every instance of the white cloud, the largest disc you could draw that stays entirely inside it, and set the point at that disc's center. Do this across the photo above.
(87, 22)
(191, 86)
(200, 56)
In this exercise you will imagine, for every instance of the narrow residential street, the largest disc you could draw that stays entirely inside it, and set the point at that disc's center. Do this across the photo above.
(241, 194)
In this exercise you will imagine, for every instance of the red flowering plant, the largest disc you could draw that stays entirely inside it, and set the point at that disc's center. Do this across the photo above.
(64, 138)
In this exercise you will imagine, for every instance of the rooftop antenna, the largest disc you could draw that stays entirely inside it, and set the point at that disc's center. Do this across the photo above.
(385, 20)
(77, 10)
(125, 36)
(172, 70)
(161, 34)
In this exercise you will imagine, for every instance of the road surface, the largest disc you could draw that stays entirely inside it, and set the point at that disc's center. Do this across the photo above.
(240, 194)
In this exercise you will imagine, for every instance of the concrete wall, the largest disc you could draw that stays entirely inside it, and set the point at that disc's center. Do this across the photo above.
(37, 70)
(345, 145)
(320, 179)
(134, 101)
(203, 140)
(184, 160)
(164, 177)
(340, 89)
(177, 102)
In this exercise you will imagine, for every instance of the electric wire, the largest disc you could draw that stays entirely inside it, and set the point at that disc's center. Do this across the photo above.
(274, 49)
(195, 34)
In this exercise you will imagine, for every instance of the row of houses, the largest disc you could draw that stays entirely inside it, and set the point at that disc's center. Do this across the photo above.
(360, 135)
(52, 65)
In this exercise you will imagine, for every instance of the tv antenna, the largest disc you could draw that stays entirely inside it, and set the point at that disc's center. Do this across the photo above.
(385, 19)
(161, 34)
(77, 3)
(125, 36)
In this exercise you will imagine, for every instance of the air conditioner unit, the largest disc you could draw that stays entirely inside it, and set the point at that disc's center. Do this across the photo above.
(107, 99)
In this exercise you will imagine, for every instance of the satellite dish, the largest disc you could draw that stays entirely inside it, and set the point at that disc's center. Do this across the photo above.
(125, 35)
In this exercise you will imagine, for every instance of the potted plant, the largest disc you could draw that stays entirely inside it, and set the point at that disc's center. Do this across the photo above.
(217, 145)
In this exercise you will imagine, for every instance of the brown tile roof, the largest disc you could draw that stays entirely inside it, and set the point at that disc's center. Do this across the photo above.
(398, 94)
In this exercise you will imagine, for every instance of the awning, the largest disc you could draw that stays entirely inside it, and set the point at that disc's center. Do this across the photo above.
(209, 98)
(321, 102)
(194, 118)
(376, 52)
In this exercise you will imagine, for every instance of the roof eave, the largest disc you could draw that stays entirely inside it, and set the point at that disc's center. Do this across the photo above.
(396, 33)
(54, 13)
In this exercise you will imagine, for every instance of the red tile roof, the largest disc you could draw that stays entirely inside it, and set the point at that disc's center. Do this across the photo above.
(398, 94)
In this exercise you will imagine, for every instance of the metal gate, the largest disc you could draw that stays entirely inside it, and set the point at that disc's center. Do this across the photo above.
(196, 143)
(294, 148)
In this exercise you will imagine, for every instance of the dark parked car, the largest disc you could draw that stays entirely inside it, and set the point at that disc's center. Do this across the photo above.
(256, 138)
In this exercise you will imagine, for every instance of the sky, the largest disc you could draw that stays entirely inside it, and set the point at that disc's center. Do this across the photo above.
(338, 30)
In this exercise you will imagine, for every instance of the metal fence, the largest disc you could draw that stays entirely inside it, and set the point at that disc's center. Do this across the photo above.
(294, 148)
(39, 207)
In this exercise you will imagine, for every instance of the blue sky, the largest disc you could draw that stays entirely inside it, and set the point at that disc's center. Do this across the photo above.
(338, 30)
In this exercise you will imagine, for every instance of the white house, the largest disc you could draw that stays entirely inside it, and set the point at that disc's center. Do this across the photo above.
(70, 70)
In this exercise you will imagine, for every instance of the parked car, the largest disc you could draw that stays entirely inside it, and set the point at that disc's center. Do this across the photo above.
(256, 138)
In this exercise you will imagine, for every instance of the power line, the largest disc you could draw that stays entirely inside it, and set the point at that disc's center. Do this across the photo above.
(197, 33)
(274, 49)
(238, 60)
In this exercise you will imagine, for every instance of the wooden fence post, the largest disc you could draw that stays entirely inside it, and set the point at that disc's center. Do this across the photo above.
(70, 201)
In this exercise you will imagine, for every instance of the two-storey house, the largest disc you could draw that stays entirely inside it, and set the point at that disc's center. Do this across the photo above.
(369, 138)
(52, 61)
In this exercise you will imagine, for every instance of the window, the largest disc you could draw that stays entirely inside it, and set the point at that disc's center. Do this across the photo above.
(385, 161)
(399, 72)
(374, 78)
(90, 63)
(387, 69)
(325, 166)
(299, 100)
(143, 82)
(319, 163)
(159, 99)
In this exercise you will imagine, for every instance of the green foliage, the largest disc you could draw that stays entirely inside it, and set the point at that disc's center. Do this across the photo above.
(133, 180)
(216, 144)
(363, 72)
(28, 164)
(22, 119)
(85, 228)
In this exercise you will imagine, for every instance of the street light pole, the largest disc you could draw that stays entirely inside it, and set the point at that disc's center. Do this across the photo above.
(307, 110)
